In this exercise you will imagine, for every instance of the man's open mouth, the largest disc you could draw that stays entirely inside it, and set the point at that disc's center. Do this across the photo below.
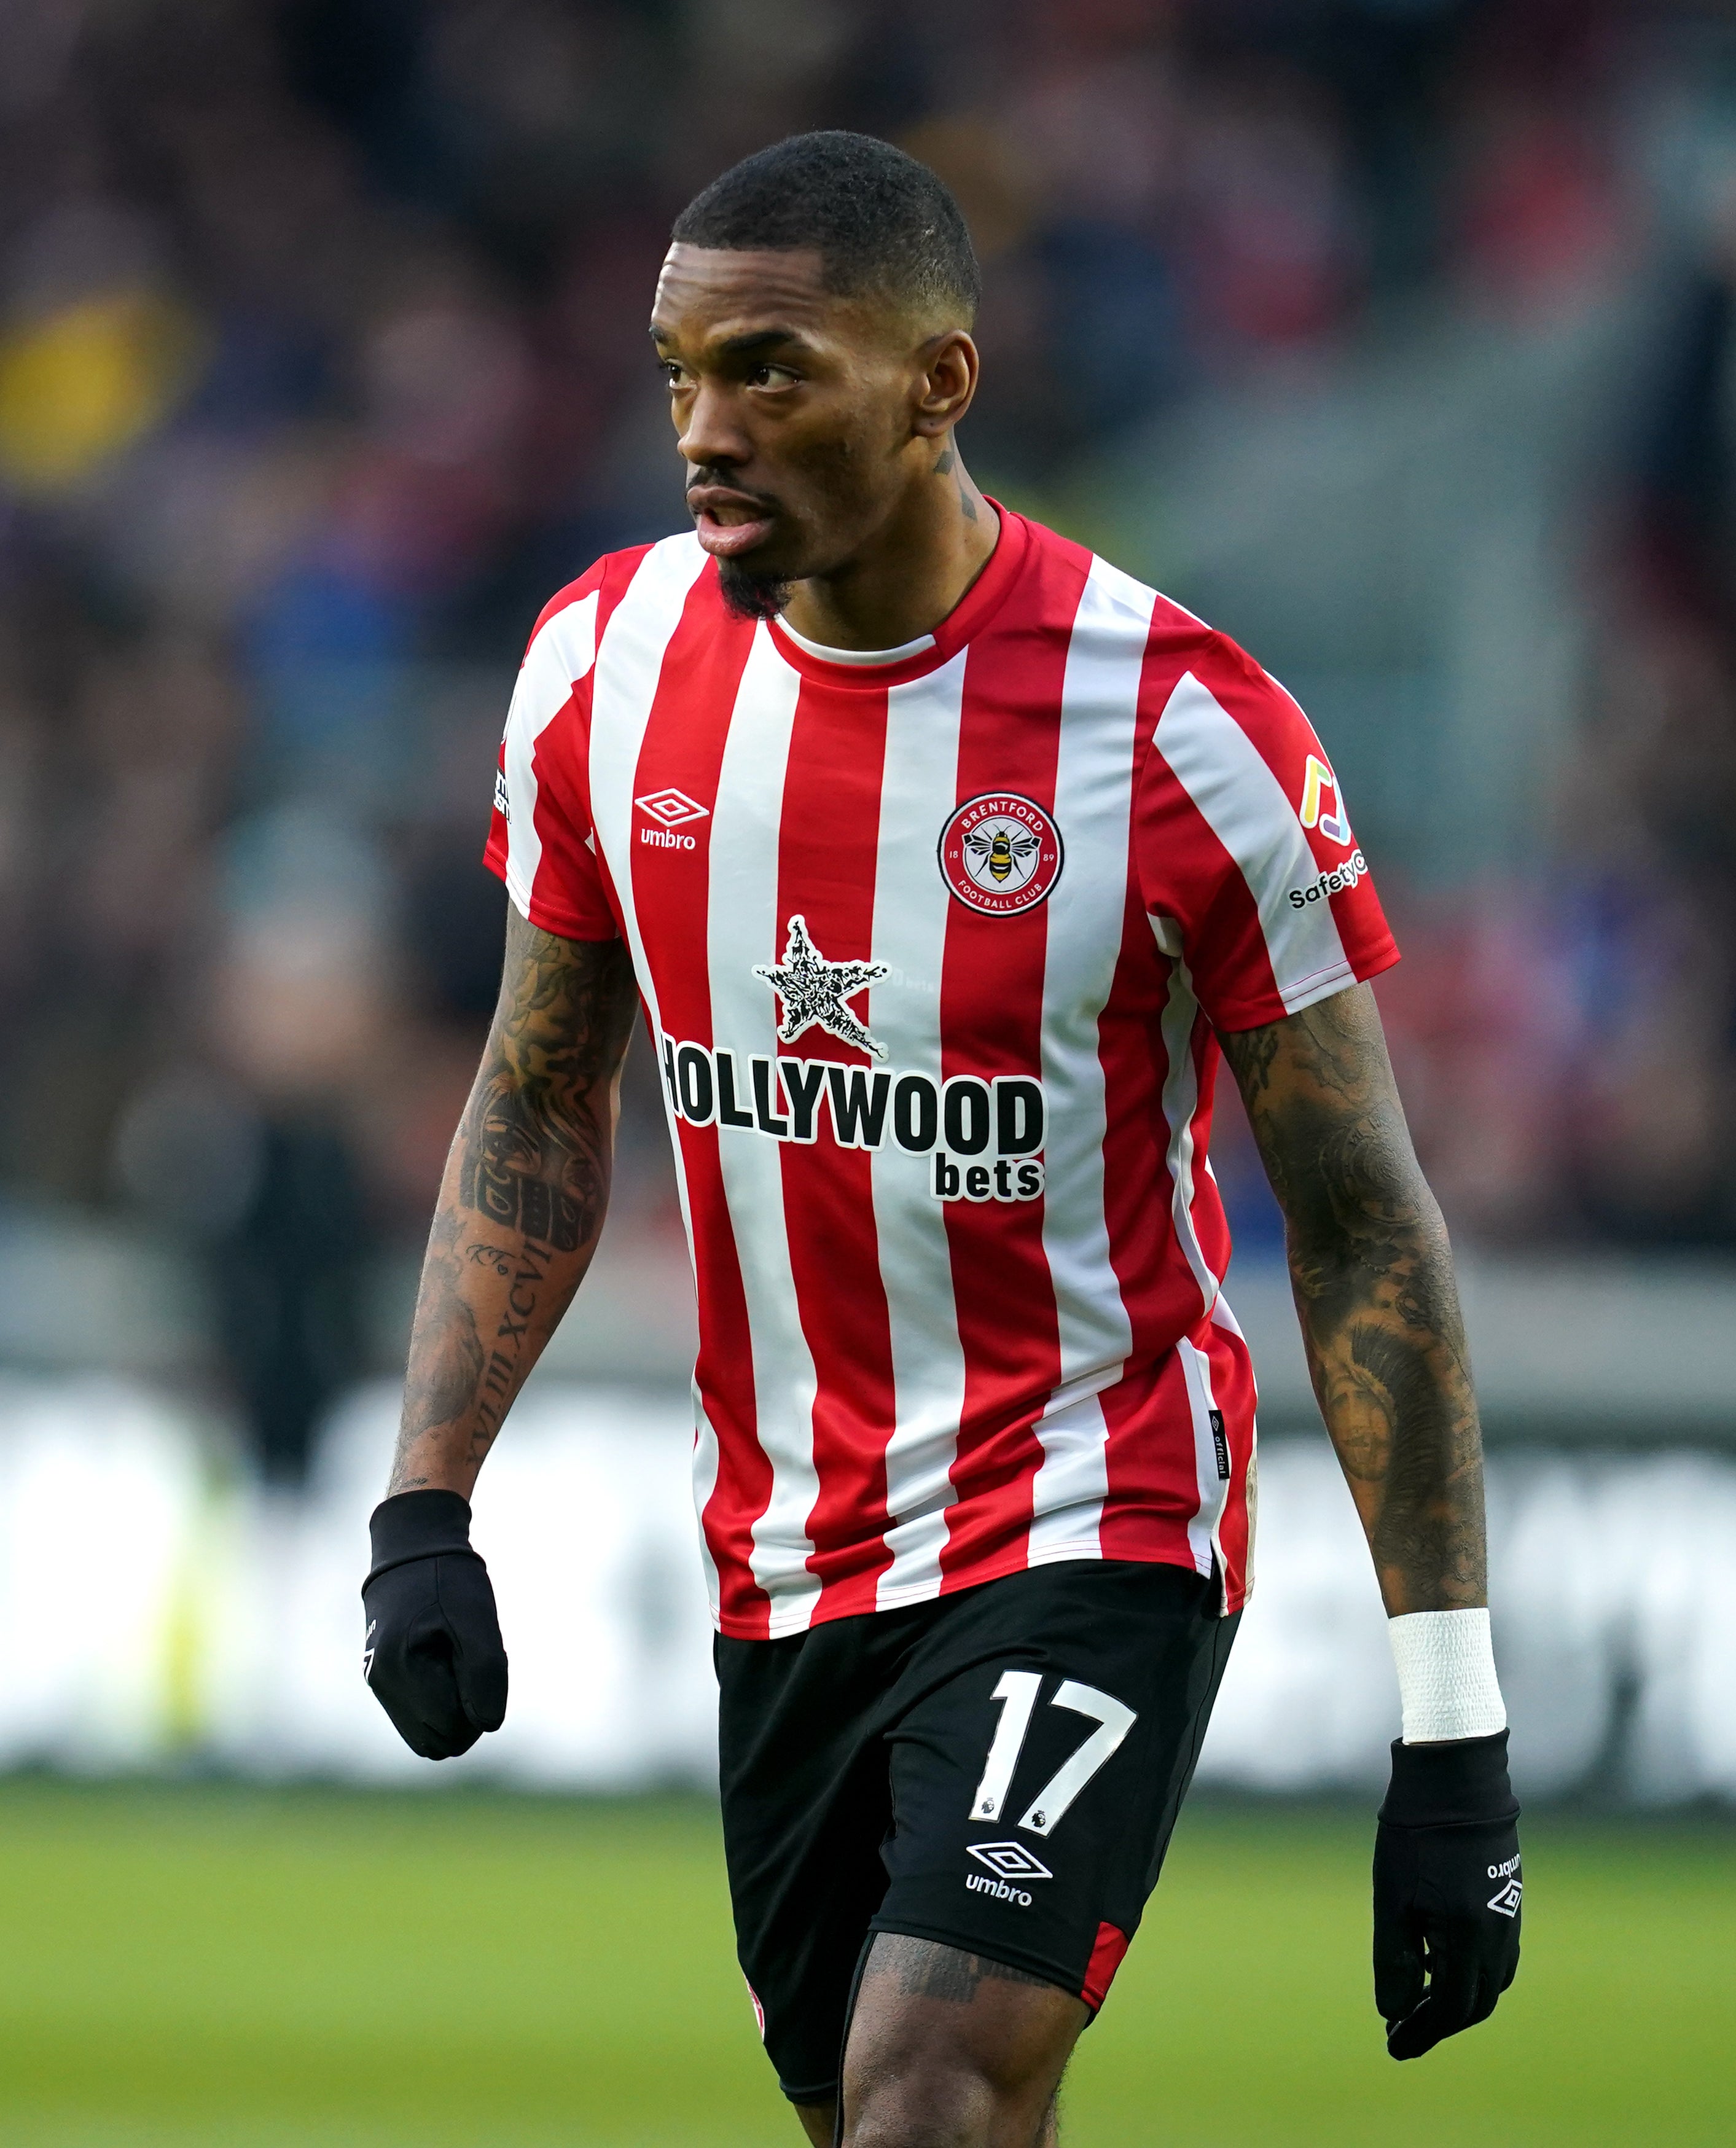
(728, 523)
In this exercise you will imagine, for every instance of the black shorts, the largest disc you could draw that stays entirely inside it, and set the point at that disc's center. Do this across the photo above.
(999, 1770)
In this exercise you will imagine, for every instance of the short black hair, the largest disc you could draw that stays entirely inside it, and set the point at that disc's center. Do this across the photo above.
(881, 221)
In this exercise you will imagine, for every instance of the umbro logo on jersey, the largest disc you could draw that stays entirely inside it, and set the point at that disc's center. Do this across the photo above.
(1009, 1862)
(1000, 854)
(670, 809)
(1318, 785)
(503, 803)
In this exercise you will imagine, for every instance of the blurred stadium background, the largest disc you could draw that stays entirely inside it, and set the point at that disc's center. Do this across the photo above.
(1399, 338)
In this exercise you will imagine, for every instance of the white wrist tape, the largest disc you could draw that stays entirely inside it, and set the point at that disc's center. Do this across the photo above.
(1447, 1678)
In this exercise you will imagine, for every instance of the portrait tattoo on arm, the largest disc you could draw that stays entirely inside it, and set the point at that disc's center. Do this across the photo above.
(1372, 1272)
(526, 1187)
(533, 1147)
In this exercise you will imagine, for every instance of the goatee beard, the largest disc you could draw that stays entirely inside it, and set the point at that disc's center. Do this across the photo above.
(750, 595)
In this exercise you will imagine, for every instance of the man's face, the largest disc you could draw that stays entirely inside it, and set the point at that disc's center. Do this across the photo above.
(794, 408)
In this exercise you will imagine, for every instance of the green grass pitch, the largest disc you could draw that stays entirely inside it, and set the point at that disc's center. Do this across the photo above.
(222, 1968)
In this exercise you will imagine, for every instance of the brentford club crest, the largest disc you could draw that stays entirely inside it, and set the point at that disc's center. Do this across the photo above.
(1000, 853)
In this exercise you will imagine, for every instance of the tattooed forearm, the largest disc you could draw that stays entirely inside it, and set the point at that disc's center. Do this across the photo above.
(534, 1149)
(1373, 1276)
(522, 1200)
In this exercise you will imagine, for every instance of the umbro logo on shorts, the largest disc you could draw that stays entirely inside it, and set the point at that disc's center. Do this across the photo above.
(1008, 1861)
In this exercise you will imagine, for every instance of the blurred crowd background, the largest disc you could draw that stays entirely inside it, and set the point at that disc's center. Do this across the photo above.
(1398, 336)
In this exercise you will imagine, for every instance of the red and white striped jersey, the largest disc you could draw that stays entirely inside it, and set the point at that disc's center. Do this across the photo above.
(932, 951)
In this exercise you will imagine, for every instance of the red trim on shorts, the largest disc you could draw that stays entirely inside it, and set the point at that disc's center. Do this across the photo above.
(1105, 1959)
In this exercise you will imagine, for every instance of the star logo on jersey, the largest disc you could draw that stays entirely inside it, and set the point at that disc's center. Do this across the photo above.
(813, 990)
(1319, 785)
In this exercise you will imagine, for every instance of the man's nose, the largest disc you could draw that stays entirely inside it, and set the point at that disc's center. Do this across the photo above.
(713, 433)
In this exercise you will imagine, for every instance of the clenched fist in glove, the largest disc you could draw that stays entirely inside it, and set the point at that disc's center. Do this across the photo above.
(433, 1654)
(1447, 1890)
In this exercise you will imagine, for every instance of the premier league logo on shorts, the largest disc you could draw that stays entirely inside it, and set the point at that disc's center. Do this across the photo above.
(1000, 854)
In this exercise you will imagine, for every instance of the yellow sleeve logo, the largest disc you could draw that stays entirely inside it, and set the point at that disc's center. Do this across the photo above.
(1319, 785)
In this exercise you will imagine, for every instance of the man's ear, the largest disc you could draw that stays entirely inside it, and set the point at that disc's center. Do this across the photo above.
(947, 384)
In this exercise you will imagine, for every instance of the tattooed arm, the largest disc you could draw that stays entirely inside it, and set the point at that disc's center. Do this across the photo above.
(1372, 1275)
(522, 1201)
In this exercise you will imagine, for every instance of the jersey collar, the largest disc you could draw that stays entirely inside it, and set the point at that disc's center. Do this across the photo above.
(968, 618)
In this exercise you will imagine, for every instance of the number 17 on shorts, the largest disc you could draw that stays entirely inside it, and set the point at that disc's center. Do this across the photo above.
(1017, 1693)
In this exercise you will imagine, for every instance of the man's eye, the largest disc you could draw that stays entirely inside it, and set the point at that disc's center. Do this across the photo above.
(671, 372)
(770, 376)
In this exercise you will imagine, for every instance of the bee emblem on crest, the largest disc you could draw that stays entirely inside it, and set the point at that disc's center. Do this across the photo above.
(1003, 851)
(1000, 853)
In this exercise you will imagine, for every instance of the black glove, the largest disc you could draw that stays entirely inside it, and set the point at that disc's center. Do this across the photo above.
(432, 1655)
(1446, 1890)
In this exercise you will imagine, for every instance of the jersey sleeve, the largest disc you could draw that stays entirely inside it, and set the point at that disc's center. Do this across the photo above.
(542, 841)
(1247, 862)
